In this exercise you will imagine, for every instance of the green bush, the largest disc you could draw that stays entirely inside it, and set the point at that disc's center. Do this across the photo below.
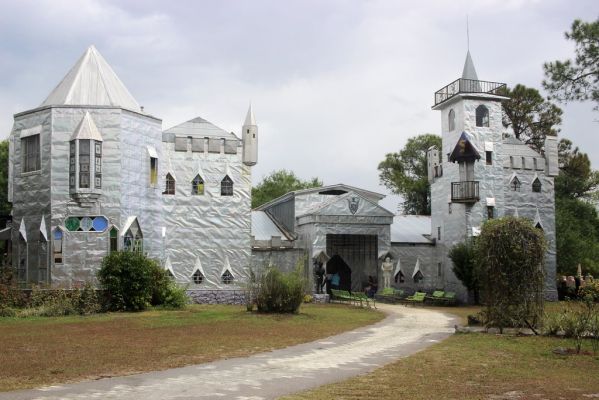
(277, 292)
(133, 282)
(10, 294)
(463, 258)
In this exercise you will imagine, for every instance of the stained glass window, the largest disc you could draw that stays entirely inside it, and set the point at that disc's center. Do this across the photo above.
(98, 165)
(169, 187)
(86, 224)
(226, 186)
(197, 185)
(114, 237)
(84, 159)
(58, 246)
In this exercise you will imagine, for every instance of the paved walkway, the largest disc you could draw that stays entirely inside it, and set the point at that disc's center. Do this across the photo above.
(270, 375)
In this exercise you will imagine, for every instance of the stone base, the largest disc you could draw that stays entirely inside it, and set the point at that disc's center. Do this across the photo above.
(217, 296)
(320, 298)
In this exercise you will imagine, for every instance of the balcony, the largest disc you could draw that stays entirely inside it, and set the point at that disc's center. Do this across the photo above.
(468, 86)
(464, 192)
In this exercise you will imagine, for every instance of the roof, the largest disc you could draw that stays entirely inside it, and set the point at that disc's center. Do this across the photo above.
(516, 147)
(263, 228)
(338, 205)
(464, 150)
(469, 71)
(87, 129)
(411, 229)
(92, 82)
(249, 118)
(201, 128)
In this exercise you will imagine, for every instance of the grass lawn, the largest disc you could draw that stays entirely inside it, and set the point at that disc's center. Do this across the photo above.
(477, 366)
(44, 351)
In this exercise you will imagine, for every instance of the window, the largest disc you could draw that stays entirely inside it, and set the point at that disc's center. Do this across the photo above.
(226, 278)
(515, 184)
(22, 266)
(489, 157)
(72, 165)
(84, 156)
(98, 164)
(418, 277)
(58, 236)
(449, 208)
(133, 238)
(114, 240)
(539, 226)
(438, 233)
(536, 185)
(197, 185)
(439, 269)
(86, 224)
(30, 150)
(399, 277)
(451, 120)
(170, 274)
(169, 187)
(153, 171)
(490, 211)
(197, 277)
(482, 116)
(226, 186)
(43, 260)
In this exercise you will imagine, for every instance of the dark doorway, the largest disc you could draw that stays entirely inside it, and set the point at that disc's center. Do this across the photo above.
(359, 252)
(336, 265)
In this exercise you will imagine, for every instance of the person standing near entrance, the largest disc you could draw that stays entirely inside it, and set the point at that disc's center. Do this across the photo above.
(387, 268)
(335, 281)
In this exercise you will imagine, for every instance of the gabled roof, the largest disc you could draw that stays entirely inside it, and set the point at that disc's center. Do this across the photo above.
(92, 82)
(263, 227)
(516, 147)
(464, 150)
(411, 229)
(199, 127)
(87, 129)
(469, 71)
(340, 205)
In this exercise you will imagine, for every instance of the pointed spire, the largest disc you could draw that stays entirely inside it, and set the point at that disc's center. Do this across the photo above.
(92, 82)
(469, 71)
(249, 118)
(87, 129)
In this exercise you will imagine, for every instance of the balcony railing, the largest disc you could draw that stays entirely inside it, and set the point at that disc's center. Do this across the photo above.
(467, 86)
(464, 192)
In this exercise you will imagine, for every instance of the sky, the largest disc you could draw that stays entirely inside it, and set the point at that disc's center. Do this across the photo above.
(335, 84)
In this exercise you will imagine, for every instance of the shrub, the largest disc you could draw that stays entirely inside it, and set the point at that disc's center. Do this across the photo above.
(511, 252)
(173, 295)
(10, 294)
(463, 257)
(278, 292)
(87, 300)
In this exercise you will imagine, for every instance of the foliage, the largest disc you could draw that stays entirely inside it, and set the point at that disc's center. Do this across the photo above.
(279, 183)
(5, 206)
(308, 298)
(530, 116)
(278, 292)
(577, 320)
(511, 252)
(133, 282)
(579, 79)
(10, 294)
(576, 178)
(405, 173)
(590, 292)
(463, 257)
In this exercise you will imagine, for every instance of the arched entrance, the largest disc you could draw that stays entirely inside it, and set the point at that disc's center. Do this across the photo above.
(336, 265)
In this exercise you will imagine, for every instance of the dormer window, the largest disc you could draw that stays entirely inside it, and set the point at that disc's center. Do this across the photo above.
(226, 186)
(85, 158)
(197, 277)
(226, 278)
(451, 120)
(482, 116)
(515, 184)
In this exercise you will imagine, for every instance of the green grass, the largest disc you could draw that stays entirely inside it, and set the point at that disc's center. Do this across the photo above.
(42, 351)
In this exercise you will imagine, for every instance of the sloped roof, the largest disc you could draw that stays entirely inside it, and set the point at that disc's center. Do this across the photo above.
(92, 82)
(249, 118)
(87, 129)
(201, 128)
(469, 71)
(411, 229)
(338, 205)
(464, 150)
(516, 147)
(263, 228)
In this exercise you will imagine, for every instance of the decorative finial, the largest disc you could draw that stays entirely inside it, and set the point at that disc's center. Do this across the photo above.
(467, 33)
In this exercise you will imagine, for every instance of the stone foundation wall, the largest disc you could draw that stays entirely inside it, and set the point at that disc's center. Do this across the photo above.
(217, 296)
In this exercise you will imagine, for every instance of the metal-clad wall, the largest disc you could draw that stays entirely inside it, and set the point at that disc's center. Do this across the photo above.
(284, 213)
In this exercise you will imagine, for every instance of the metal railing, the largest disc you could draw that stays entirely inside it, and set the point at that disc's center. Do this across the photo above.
(467, 86)
(464, 192)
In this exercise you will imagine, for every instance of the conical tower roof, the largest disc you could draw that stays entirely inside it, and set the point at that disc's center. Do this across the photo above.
(469, 70)
(249, 118)
(92, 82)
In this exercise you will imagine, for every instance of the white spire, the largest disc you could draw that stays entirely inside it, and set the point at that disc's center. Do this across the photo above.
(469, 71)
(92, 82)
(249, 118)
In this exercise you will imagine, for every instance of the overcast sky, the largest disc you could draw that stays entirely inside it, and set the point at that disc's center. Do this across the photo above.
(335, 85)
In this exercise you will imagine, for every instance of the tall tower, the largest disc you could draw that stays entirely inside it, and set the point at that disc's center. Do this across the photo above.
(249, 133)
(466, 174)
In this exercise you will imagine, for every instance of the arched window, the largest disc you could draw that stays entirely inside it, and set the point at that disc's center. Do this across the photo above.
(197, 277)
(451, 120)
(536, 185)
(482, 116)
(169, 187)
(515, 184)
(418, 277)
(133, 239)
(226, 278)
(399, 277)
(114, 240)
(226, 186)
(58, 236)
(539, 226)
(43, 260)
(197, 185)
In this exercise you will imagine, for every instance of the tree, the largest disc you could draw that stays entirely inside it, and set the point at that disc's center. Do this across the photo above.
(5, 206)
(463, 257)
(277, 184)
(579, 79)
(511, 253)
(576, 178)
(530, 116)
(405, 173)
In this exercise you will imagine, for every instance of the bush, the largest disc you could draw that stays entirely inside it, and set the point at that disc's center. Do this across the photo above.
(511, 252)
(463, 257)
(133, 282)
(10, 294)
(277, 292)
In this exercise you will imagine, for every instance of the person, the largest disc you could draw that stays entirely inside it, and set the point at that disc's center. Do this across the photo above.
(318, 276)
(372, 287)
(335, 280)
(387, 268)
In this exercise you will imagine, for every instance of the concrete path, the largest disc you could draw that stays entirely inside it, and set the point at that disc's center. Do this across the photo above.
(270, 375)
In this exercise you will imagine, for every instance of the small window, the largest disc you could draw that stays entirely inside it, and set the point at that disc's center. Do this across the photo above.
(169, 187)
(451, 120)
(536, 185)
(489, 157)
(399, 277)
(515, 184)
(84, 163)
(490, 212)
(439, 269)
(539, 226)
(169, 273)
(153, 171)
(449, 210)
(226, 278)
(42, 276)
(114, 240)
(197, 185)
(482, 116)
(197, 277)
(58, 236)
(438, 233)
(418, 277)
(226, 186)
(30, 150)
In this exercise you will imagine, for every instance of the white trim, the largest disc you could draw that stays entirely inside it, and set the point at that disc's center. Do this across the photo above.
(43, 228)
(397, 269)
(490, 201)
(127, 225)
(23, 229)
(417, 268)
(198, 267)
(168, 266)
(226, 267)
(538, 219)
(488, 146)
(152, 151)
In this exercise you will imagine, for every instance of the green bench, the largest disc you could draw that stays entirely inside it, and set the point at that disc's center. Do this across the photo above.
(416, 298)
(355, 298)
(390, 295)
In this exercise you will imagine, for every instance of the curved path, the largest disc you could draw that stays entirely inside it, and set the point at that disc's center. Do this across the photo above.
(276, 373)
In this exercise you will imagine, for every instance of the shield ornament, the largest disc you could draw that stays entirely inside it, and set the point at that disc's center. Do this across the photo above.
(354, 203)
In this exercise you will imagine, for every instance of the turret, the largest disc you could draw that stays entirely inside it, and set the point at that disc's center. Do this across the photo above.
(249, 133)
